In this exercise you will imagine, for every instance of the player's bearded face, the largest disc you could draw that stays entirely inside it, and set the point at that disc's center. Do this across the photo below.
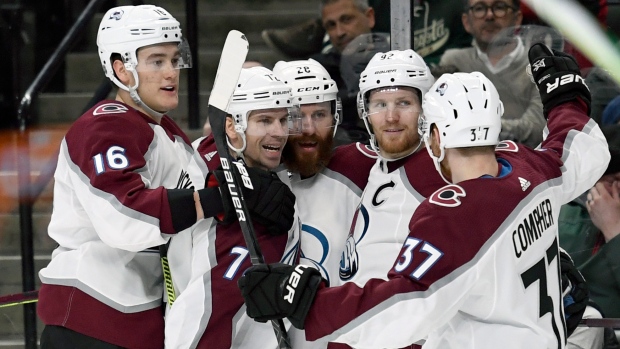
(310, 151)
(393, 114)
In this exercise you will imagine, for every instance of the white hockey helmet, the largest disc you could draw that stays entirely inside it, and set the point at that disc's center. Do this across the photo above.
(466, 109)
(391, 69)
(125, 29)
(258, 88)
(310, 83)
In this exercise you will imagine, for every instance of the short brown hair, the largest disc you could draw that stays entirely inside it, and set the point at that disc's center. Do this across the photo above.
(362, 5)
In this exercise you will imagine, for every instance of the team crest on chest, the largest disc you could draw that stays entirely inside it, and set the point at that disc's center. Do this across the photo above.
(349, 259)
(448, 196)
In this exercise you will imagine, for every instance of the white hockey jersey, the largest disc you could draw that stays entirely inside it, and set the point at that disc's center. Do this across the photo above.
(327, 202)
(110, 207)
(210, 312)
(393, 192)
(479, 268)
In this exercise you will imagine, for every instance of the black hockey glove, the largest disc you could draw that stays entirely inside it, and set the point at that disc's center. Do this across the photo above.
(575, 292)
(271, 202)
(275, 291)
(557, 77)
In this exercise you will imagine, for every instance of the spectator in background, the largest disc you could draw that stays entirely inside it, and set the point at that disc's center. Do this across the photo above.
(305, 39)
(589, 227)
(345, 20)
(611, 113)
(603, 88)
(605, 103)
(503, 59)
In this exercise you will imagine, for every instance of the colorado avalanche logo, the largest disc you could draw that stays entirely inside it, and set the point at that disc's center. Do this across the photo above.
(317, 249)
(507, 146)
(448, 196)
(366, 150)
(349, 261)
(110, 108)
(442, 89)
(117, 15)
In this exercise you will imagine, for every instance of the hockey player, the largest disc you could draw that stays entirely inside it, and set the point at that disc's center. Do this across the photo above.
(465, 277)
(318, 171)
(121, 187)
(327, 182)
(209, 311)
(391, 90)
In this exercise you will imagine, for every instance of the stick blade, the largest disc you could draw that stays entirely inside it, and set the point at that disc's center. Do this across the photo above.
(231, 61)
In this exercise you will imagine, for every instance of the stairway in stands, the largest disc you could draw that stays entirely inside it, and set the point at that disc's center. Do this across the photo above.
(56, 111)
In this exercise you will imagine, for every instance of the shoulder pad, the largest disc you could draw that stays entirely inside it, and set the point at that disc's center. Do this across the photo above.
(448, 196)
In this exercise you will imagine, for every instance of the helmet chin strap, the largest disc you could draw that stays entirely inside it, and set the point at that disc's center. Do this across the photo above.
(437, 160)
(133, 93)
(238, 151)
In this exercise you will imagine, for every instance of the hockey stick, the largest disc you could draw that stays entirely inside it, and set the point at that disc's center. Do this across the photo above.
(605, 322)
(165, 267)
(19, 298)
(228, 71)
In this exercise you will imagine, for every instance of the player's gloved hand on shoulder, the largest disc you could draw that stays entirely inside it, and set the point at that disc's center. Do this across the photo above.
(574, 290)
(275, 291)
(270, 202)
(557, 77)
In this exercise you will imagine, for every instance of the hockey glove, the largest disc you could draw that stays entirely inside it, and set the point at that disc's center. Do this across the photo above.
(270, 202)
(275, 291)
(557, 77)
(574, 291)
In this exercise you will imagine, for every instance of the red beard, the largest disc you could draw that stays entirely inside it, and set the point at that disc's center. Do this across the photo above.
(308, 164)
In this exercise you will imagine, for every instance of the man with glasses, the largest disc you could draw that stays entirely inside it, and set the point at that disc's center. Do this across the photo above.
(501, 56)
